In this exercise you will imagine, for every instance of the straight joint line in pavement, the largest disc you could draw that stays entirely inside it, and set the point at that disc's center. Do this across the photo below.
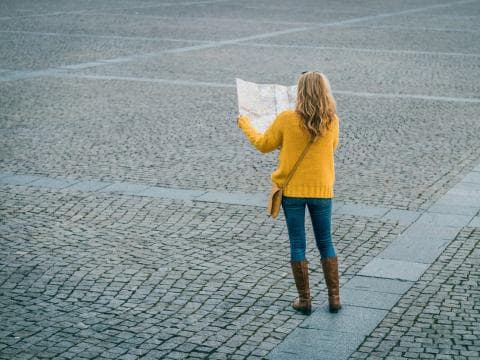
(368, 50)
(56, 13)
(100, 36)
(369, 295)
(410, 96)
(28, 74)
(87, 11)
(415, 28)
(223, 85)
(188, 3)
(204, 18)
(404, 217)
(141, 79)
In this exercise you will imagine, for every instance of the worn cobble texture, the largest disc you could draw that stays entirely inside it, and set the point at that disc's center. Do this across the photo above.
(148, 134)
(439, 317)
(102, 275)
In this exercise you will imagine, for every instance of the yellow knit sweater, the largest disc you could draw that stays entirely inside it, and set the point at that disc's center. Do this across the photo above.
(315, 176)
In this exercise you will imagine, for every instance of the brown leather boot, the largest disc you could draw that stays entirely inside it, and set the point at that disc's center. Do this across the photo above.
(303, 303)
(330, 272)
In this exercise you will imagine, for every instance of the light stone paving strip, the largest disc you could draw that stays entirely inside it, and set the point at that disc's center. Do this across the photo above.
(356, 49)
(245, 20)
(403, 217)
(369, 295)
(61, 74)
(421, 28)
(18, 75)
(136, 6)
(99, 36)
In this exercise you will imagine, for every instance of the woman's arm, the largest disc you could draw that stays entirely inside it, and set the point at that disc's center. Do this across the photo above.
(336, 131)
(270, 140)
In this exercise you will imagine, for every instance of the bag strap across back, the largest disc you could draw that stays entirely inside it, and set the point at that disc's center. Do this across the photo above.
(302, 155)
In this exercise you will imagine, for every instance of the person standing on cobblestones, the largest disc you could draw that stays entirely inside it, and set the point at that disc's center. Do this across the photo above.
(314, 117)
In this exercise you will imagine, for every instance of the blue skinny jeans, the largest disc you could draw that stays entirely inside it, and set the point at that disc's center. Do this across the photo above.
(321, 215)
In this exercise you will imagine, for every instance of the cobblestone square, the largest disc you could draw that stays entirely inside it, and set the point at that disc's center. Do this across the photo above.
(132, 219)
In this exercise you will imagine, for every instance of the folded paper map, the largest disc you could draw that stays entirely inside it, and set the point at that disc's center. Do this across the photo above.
(262, 102)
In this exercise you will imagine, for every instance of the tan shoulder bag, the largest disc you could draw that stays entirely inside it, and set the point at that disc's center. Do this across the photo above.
(276, 194)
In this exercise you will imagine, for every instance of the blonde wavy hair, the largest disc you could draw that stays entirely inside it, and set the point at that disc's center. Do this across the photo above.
(315, 103)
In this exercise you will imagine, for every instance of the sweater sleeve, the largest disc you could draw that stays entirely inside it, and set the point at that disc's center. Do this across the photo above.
(336, 132)
(270, 140)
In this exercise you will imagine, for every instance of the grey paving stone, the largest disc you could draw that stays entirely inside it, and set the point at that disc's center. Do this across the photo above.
(362, 210)
(463, 199)
(19, 179)
(351, 319)
(475, 222)
(4, 175)
(463, 189)
(477, 168)
(410, 250)
(317, 344)
(89, 185)
(337, 205)
(171, 193)
(443, 208)
(367, 283)
(238, 198)
(281, 355)
(393, 269)
(458, 196)
(404, 217)
(473, 177)
(368, 299)
(420, 243)
(125, 188)
(429, 232)
(448, 220)
(53, 183)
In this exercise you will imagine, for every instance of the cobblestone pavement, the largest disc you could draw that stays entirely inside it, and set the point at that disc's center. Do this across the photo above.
(142, 92)
(104, 275)
(439, 317)
(380, 151)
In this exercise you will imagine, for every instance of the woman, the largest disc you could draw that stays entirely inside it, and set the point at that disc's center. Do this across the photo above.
(311, 185)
